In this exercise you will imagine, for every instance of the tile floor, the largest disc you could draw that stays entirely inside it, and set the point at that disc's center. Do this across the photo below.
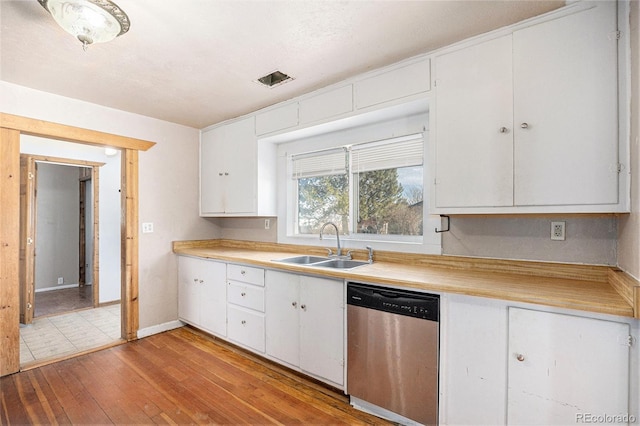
(60, 335)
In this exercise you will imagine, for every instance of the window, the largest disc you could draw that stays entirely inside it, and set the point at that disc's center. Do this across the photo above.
(388, 186)
(322, 190)
(372, 190)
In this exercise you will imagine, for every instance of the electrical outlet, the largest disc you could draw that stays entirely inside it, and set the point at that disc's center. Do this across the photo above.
(267, 224)
(147, 227)
(60, 280)
(558, 231)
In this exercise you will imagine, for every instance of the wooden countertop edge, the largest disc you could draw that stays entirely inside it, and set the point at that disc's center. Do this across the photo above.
(614, 282)
(628, 287)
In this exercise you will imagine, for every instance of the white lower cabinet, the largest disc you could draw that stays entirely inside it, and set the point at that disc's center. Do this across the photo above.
(245, 294)
(202, 294)
(563, 368)
(305, 323)
(511, 365)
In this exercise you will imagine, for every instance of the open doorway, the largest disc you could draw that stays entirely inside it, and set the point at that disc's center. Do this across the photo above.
(59, 257)
(64, 261)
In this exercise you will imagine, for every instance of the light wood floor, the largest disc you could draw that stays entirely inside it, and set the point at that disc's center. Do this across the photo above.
(177, 377)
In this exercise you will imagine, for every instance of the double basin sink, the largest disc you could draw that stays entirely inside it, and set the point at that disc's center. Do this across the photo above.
(323, 262)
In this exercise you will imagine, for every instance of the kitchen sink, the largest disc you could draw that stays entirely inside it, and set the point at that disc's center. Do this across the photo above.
(341, 264)
(323, 262)
(303, 260)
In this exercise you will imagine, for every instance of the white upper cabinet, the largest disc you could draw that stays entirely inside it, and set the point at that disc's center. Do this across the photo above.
(237, 175)
(528, 122)
(474, 116)
(566, 117)
(401, 82)
(326, 105)
(277, 119)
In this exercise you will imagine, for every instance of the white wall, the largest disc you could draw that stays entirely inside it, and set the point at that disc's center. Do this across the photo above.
(57, 225)
(168, 186)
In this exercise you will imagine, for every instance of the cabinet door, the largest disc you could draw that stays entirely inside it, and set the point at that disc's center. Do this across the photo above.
(240, 162)
(213, 297)
(322, 328)
(189, 284)
(565, 90)
(228, 169)
(282, 310)
(562, 366)
(212, 171)
(474, 135)
(246, 327)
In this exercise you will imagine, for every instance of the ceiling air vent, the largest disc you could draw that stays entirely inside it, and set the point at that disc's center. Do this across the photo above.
(276, 78)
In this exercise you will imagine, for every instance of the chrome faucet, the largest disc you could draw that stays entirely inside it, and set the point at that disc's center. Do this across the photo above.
(339, 249)
(370, 249)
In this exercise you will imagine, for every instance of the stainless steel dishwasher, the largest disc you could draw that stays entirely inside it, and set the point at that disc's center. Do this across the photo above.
(392, 355)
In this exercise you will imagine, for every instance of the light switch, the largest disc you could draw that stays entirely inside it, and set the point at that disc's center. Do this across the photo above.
(147, 227)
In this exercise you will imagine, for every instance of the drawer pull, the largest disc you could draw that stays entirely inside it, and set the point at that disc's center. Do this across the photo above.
(520, 357)
(243, 294)
(303, 307)
(243, 272)
(294, 304)
(243, 322)
(195, 280)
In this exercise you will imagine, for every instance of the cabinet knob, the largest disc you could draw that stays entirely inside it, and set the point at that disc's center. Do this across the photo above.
(294, 304)
(226, 173)
(503, 130)
(195, 280)
(220, 174)
(243, 322)
(243, 272)
(243, 294)
(303, 307)
(524, 126)
(520, 357)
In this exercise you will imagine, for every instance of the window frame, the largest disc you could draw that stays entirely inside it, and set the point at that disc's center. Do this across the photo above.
(430, 241)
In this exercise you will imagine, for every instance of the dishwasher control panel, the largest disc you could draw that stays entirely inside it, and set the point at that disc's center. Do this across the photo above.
(401, 302)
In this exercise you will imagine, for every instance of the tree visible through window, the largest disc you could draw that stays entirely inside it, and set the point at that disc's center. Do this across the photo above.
(323, 199)
(385, 189)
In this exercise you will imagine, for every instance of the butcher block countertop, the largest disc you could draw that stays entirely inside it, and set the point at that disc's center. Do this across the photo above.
(591, 288)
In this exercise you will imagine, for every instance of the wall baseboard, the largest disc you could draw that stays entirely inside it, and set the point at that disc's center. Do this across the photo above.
(58, 287)
(159, 328)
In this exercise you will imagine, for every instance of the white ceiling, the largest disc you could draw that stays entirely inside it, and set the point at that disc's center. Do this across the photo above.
(193, 62)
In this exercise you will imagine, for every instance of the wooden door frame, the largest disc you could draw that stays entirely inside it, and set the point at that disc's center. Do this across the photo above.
(28, 268)
(11, 127)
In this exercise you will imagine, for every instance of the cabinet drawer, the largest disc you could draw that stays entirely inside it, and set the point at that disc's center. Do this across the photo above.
(246, 327)
(246, 295)
(246, 274)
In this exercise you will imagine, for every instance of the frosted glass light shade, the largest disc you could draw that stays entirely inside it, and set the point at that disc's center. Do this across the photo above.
(91, 21)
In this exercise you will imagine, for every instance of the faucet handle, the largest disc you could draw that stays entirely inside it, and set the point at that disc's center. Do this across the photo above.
(370, 253)
(329, 252)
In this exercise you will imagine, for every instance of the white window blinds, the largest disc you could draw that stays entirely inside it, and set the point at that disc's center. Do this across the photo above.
(320, 163)
(393, 153)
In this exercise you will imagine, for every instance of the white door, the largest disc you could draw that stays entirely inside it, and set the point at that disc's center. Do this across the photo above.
(562, 367)
(322, 327)
(189, 290)
(474, 134)
(565, 94)
(282, 309)
(213, 297)
(212, 170)
(240, 167)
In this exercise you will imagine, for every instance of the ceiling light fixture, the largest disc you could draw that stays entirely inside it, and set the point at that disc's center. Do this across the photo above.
(91, 21)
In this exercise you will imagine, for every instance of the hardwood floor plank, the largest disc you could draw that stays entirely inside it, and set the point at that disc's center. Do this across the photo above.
(177, 377)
